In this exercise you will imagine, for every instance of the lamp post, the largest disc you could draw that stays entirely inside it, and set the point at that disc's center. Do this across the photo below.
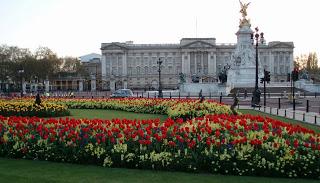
(159, 62)
(256, 93)
(21, 71)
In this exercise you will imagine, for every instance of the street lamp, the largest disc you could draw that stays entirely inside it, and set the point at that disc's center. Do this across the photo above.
(159, 62)
(256, 93)
(21, 71)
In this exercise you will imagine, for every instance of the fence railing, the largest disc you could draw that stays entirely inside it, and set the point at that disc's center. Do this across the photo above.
(307, 117)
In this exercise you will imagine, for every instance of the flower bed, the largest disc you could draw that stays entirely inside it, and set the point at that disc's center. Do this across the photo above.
(239, 145)
(194, 108)
(28, 108)
(174, 108)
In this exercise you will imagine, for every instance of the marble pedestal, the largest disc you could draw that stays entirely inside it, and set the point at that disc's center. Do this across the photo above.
(243, 77)
(215, 89)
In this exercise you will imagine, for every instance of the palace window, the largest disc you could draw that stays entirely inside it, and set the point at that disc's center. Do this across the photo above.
(199, 70)
(178, 69)
(154, 69)
(130, 71)
(265, 59)
(154, 60)
(113, 70)
(281, 59)
(138, 70)
(281, 70)
(119, 71)
(169, 61)
(205, 70)
(145, 60)
(287, 59)
(145, 70)
(170, 70)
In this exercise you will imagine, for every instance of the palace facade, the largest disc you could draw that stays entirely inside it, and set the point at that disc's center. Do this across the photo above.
(134, 66)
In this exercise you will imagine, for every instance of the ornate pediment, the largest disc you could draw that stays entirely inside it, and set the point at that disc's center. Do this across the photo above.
(281, 45)
(113, 46)
(198, 44)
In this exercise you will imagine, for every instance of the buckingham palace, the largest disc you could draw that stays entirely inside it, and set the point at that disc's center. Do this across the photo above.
(134, 66)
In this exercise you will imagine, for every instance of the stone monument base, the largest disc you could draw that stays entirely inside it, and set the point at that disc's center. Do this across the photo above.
(214, 89)
(242, 77)
(307, 85)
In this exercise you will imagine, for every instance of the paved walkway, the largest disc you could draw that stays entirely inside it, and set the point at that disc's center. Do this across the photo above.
(306, 117)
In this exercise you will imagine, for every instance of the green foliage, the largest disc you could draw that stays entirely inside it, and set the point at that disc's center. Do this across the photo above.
(42, 64)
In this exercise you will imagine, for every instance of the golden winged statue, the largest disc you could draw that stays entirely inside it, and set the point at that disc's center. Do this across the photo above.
(244, 7)
(244, 21)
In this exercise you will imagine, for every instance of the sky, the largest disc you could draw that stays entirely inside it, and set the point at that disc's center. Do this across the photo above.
(78, 27)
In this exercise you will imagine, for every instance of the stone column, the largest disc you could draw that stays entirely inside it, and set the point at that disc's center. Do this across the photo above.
(186, 63)
(215, 64)
(291, 67)
(80, 85)
(195, 62)
(24, 86)
(112, 85)
(125, 84)
(270, 62)
(202, 62)
(183, 64)
(124, 64)
(188, 73)
(103, 67)
(211, 64)
(46, 85)
(93, 83)
(117, 65)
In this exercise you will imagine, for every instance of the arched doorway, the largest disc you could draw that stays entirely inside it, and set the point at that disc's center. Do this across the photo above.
(118, 85)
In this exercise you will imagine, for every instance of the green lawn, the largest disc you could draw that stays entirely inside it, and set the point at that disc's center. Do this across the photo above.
(110, 114)
(19, 171)
(306, 125)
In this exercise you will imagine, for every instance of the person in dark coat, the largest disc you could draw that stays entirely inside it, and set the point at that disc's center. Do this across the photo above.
(38, 99)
